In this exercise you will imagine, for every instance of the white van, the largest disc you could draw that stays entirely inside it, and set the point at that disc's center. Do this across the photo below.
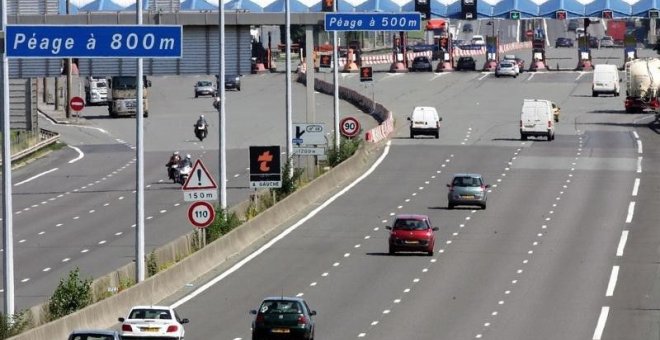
(606, 80)
(424, 120)
(537, 119)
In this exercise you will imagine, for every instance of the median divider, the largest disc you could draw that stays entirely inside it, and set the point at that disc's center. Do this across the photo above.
(104, 314)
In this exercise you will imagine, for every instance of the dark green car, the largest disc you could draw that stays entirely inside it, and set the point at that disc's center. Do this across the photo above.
(283, 318)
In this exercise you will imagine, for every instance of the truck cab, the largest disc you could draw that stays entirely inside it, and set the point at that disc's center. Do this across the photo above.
(96, 90)
(123, 96)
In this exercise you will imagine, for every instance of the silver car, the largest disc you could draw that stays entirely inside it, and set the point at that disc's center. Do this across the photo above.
(467, 189)
(204, 88)
(507, 68)
(94, 334)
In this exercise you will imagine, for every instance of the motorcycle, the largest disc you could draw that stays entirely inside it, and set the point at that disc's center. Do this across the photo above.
(200, 131)
(182, 173)
(172, 171)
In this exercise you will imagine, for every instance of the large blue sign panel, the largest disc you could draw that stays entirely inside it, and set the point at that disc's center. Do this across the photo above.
(373, 21)
(92, 41)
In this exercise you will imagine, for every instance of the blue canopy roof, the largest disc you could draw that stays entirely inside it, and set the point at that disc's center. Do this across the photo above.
(619, 8)
(573, 8)
(378, 6)
(642, 7)
(294, 6)
(246, 5)
(527, 8)
(197, 5)
(101, 5)
(145, 6)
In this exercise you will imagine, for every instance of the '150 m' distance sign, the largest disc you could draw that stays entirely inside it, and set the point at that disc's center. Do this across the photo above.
(373, 21)
(93, 41)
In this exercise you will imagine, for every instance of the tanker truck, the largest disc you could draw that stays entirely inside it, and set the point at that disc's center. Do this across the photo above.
(642, 85)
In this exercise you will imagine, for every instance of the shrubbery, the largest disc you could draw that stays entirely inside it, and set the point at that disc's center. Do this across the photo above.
(71, 294)
(11, 325)
(347, 147)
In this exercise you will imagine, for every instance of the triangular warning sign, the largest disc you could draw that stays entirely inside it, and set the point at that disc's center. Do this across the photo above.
(199, 178)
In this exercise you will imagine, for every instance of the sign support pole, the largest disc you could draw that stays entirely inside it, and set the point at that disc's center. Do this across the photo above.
(8, 237)
(222, 112)
(289, 132)
(335, 60)
(139, 165)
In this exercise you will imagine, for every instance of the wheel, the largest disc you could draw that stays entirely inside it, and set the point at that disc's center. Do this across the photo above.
(616, 94)
(450, 206)
(391, 251)
(516, 76)
(523, 137)
(594, 94)
(497, 75)
(437, 134)
(238, 88)
(429, 253)
(483, 206)
(145, 114)
(412, 134)
(196, 95)
(630, 110)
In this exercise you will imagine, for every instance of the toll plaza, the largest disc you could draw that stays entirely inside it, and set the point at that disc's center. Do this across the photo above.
(399, 55)
(584, 54)
(538, 55)
(492, 53)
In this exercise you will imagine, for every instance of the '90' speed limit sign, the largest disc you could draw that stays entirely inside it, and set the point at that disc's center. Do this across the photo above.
(349, 127)
(201, 214)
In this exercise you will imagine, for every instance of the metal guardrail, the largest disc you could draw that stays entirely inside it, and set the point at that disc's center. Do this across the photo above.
(45, 138)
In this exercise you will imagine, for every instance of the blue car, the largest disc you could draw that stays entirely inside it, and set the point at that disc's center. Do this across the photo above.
(564, 42)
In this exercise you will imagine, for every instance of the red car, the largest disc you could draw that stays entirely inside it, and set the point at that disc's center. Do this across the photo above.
(411, 233)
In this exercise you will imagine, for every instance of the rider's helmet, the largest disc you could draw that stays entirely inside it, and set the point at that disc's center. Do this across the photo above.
(188, 156)
(201, 116)
(176, 153)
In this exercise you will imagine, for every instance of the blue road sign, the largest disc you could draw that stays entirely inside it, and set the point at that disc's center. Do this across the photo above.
(373, 21)
(93, 41)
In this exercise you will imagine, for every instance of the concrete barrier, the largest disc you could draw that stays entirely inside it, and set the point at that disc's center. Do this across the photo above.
(104, 313)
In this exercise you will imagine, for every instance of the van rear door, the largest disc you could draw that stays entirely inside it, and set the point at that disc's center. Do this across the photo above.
(533, 117)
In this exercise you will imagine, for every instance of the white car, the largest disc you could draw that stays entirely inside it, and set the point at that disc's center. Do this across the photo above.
(478, 40)
(160, 322)
(507, 68)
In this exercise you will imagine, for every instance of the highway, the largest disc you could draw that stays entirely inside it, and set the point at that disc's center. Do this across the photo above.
(566, 248)
(538, 263)
(76, 208)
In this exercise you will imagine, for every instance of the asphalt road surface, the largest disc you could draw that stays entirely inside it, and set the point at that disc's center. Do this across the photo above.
(566, 249)
(76, 207)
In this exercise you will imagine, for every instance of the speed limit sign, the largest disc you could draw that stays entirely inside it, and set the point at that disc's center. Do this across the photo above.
(349, 127)
(201, 214)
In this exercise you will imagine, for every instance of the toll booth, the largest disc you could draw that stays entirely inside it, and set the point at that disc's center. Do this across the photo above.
(445, 54)
(351, 66)
(492, 53)
(538, 56)
(584, 54)
(629, 49)
(399, 60)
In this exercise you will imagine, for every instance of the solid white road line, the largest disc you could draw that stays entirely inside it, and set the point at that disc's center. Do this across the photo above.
(602, 319)
(631, 212)
(622, 243)
(612, 284)
(635, 187)
(283, 234)
(35, 176)
(80, 154)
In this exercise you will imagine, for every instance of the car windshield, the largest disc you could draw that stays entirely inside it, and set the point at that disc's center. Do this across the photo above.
(280, 307)
(410, 224)
(204, 83)
(162, 314)
(466, 181)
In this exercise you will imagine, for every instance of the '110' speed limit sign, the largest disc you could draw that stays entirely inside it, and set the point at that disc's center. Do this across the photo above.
(349, 127)
(201, 214)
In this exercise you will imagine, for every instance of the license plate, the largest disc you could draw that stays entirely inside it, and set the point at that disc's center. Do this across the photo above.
(467, 197)
(529, 125)
(149, 329)
(280, 330)
(130, 105)
(411, 242)
(419, 123)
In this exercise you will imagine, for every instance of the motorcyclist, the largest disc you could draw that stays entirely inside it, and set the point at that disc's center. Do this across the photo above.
(201, 120)
(186, 162)
(175, 159)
